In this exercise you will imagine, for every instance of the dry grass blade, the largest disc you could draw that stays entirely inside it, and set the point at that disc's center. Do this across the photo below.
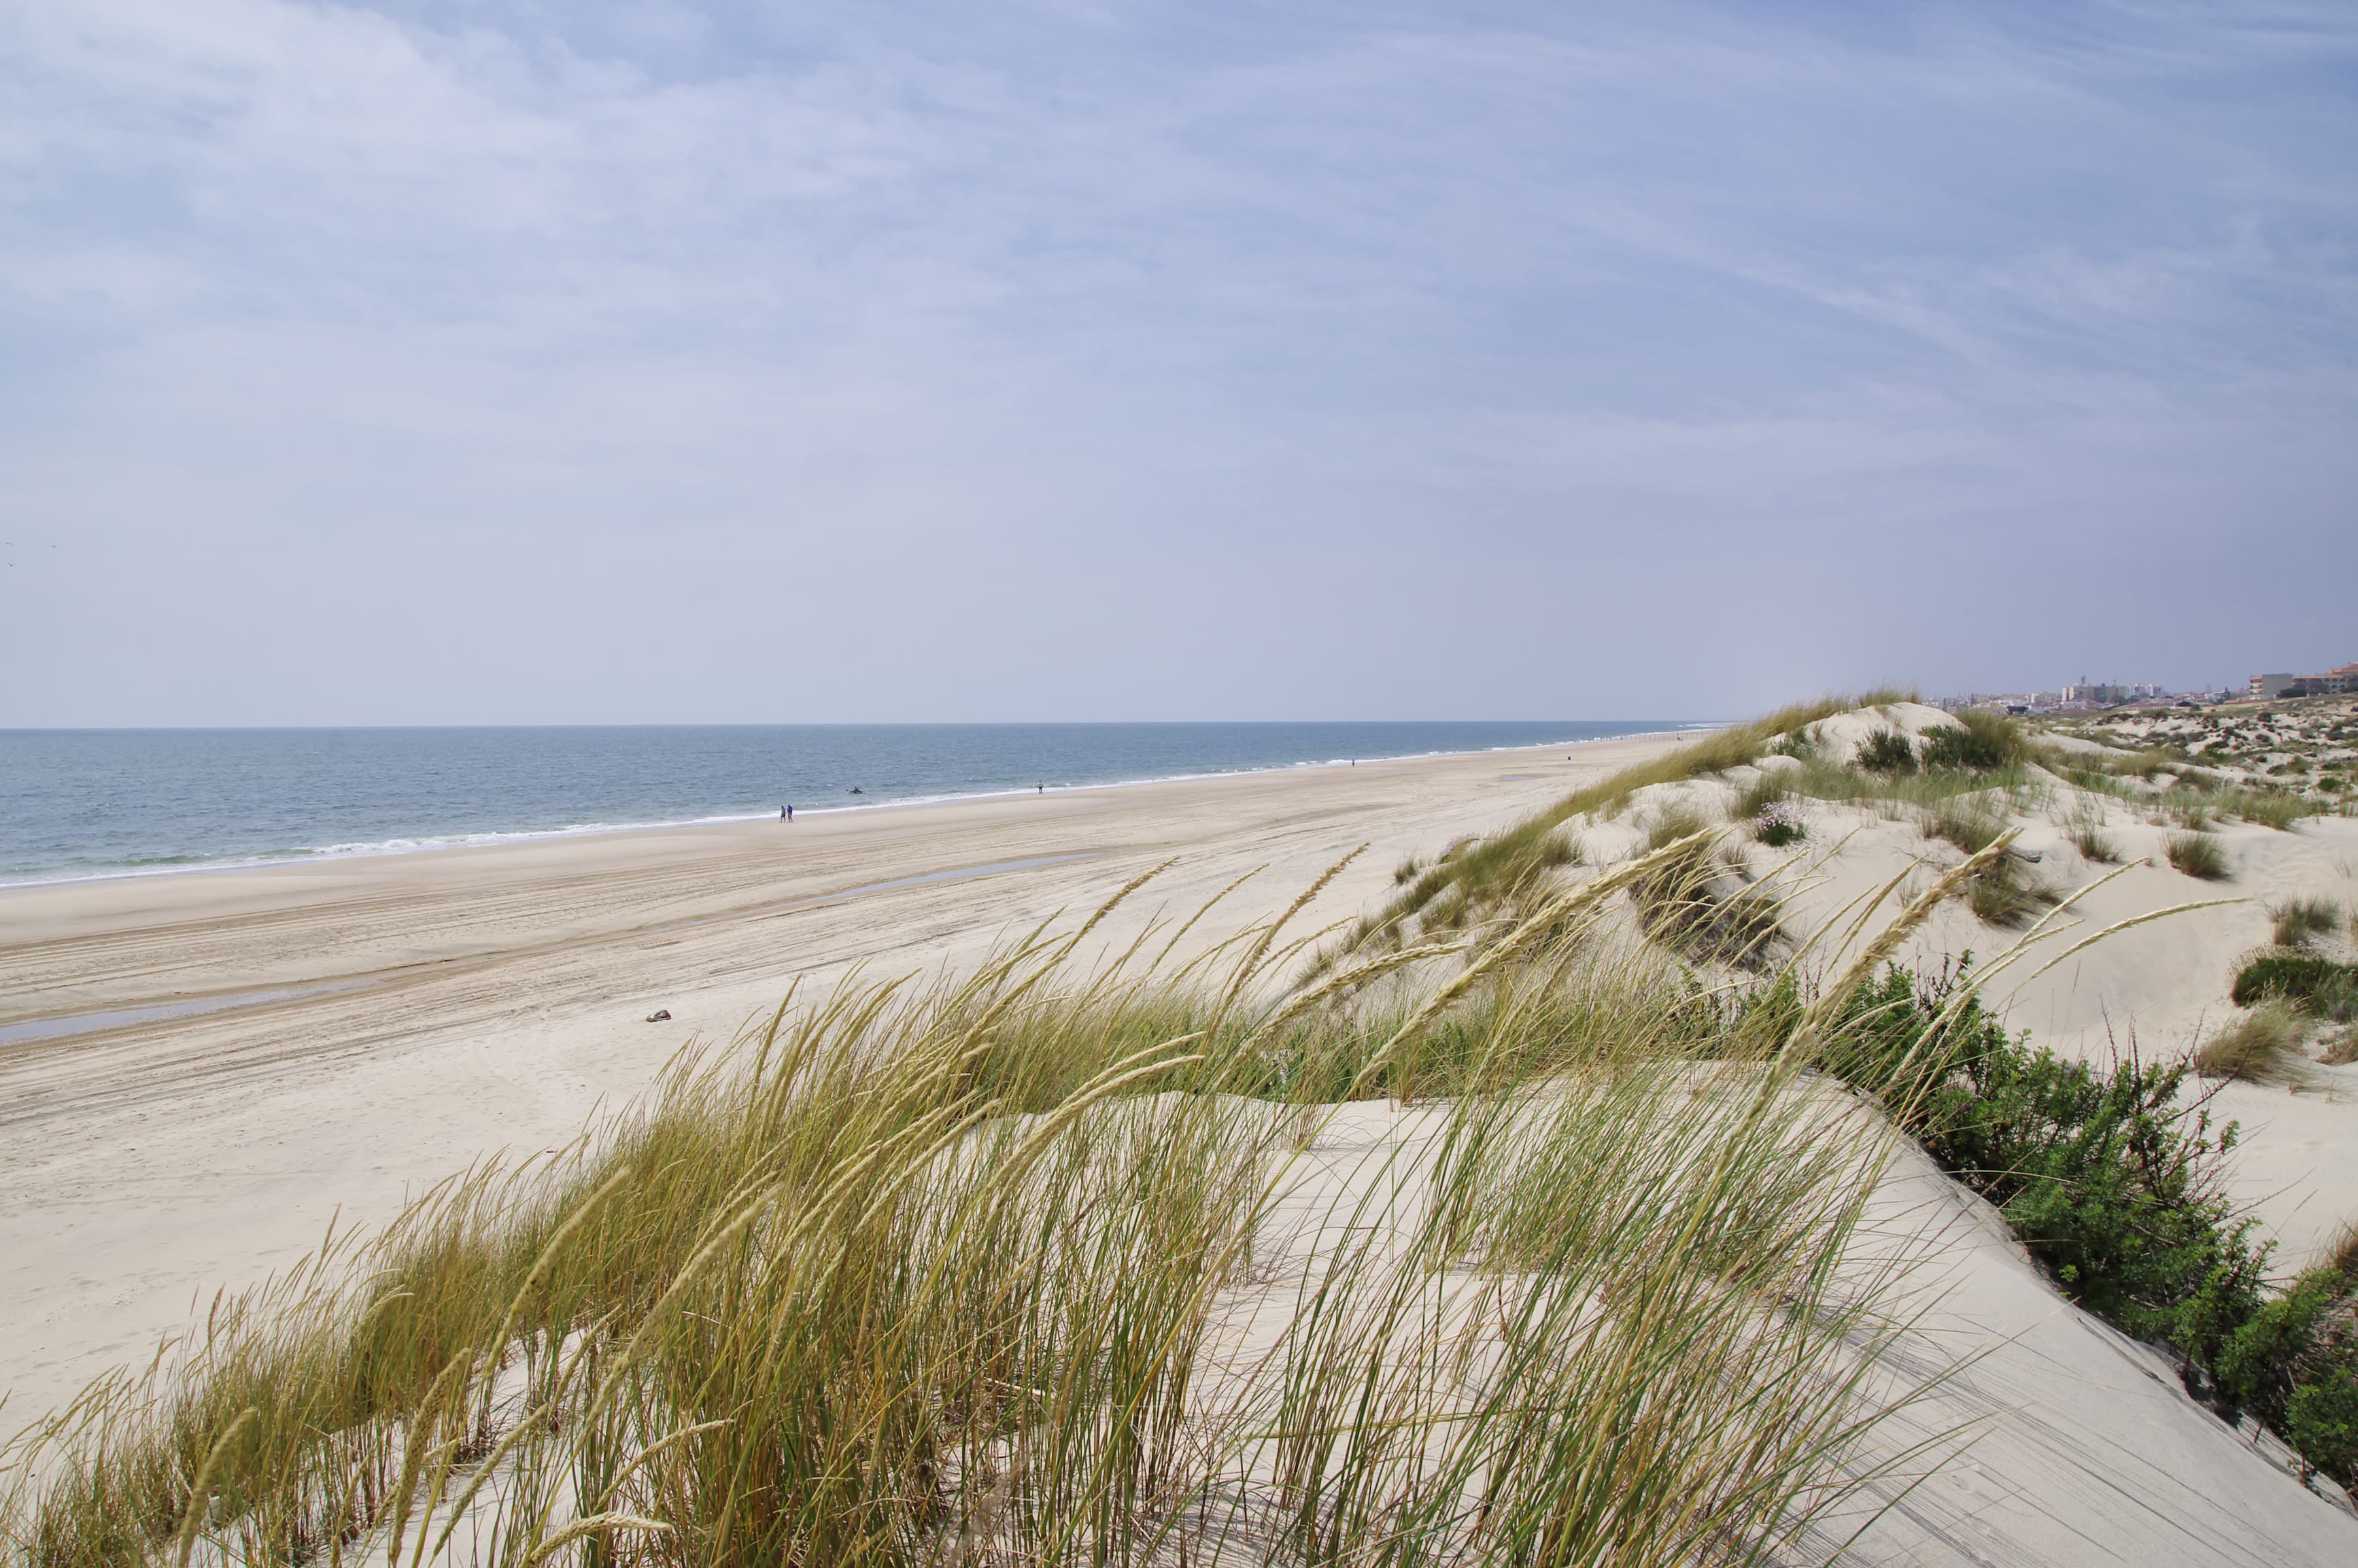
(192, 1517)
(601, 1524)
(969, 1271)
(2256, 1048)
(1832, 1001)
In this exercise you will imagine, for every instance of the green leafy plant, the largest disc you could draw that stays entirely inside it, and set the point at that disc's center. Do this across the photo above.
(2294, 1364)
(1887, 752)
(1977, 742)
(2109, 1178)
(1778, 824)
(2311, 980)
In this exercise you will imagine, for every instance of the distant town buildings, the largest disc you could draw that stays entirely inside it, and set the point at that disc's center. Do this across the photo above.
(2084, 695)
(2100, 693)
(2340, 681)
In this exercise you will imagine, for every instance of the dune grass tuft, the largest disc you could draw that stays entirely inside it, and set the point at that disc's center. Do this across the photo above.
(2270, 809)
(1503, 871)
(2255, 1047)
(2086, 831)
(985, 1270)
(2298, 921)
(2199, 855)
(1686, 902)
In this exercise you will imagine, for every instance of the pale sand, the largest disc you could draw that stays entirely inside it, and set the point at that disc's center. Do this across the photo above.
(500, 995)
(506, 988)
(2029, 1435)
(2158, 990)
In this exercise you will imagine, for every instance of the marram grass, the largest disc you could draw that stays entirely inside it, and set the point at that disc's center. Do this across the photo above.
(1518, 1256)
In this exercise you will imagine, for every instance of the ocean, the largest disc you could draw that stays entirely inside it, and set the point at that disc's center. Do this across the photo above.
(78, 804)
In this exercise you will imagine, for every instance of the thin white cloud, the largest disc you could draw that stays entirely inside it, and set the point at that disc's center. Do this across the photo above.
(1182, 299)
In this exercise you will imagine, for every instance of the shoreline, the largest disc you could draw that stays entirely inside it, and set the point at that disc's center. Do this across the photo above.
(395, 1018)
(497, 838)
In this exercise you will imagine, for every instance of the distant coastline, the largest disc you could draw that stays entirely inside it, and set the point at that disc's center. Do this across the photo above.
(88, 805)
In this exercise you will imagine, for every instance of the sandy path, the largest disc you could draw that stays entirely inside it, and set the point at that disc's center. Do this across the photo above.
(492, 998)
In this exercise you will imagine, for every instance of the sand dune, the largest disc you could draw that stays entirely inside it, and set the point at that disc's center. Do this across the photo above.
(380, 1023)
(460, 1002)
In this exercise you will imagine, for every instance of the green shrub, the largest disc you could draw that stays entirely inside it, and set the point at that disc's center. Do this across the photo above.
(2108, 1181)
(2294, 1364)
(1780, 823)
(1999, 732)
(2199, 855)
(2111, 1181)
(1966, 746)
(2321, 1421)
(1887, 752)
(2298, 977)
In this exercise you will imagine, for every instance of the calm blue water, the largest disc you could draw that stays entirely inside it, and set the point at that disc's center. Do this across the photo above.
(88, 802)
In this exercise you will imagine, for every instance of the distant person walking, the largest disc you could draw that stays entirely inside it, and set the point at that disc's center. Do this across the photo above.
(1042, 788)
(785, 814)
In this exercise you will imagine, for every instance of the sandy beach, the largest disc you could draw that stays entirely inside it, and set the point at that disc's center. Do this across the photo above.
(201, 1073)
(389, 1019)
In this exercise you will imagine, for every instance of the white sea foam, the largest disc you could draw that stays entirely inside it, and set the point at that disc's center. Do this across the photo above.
(417, 844)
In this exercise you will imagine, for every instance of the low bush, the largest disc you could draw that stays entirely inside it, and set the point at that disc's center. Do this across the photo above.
(1778, 824)
(2309, 980)
(1978, 742)
(2295, 1366)
(2199, 855)
(2108, 1178)
(1887, 752)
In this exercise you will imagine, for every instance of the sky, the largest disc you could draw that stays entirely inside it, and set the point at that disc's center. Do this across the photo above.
(479, 361)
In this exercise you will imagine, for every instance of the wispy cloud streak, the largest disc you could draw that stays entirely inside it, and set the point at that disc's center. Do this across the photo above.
(1186, 361)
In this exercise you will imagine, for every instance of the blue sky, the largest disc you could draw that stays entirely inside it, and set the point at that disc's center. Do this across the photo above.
(483, 363)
